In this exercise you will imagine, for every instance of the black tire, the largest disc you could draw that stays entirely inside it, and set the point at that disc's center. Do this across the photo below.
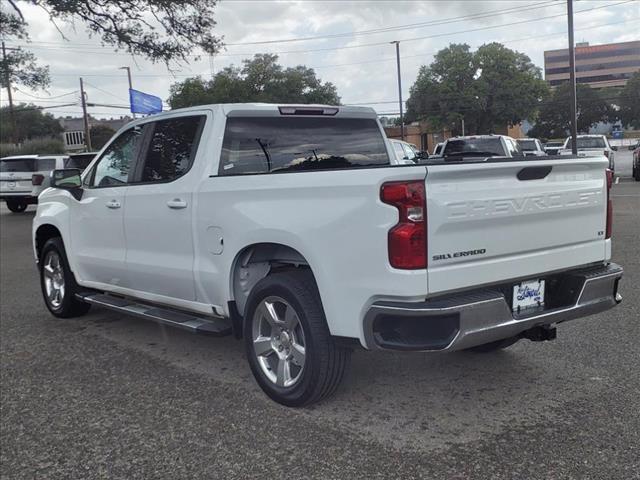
(69, 306)
(493, 346)
(325, 361)
(16, 206)
(636, 173)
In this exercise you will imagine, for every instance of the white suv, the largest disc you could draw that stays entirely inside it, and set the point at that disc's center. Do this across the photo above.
(24, 177)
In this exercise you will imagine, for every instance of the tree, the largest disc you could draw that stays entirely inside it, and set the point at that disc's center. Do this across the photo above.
(160, 30)
(630, 102)
(489, 88)
(261, 79)
(554, 119)
(31, 123)
(100, 134)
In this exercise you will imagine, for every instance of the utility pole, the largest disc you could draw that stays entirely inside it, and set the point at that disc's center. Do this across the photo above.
(130, 84)
(87, 132)
(572, 76)
(397, 42)
(12, 113)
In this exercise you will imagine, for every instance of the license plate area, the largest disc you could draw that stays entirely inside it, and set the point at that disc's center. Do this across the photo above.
(528, 295)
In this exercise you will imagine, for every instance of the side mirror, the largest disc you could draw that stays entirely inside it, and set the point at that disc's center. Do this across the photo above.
(632, 147)
(66, 178)
(615, 149)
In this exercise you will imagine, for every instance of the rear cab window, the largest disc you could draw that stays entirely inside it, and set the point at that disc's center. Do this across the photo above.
(469, 147)
(271, 144)
(528, 145)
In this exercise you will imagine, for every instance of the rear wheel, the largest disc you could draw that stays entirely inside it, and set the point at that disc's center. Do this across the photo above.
(17, 206)
(493, 346)
(58, 283)
(291, 353)
(636, 173)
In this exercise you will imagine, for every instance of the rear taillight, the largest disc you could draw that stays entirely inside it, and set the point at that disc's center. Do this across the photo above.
(37, 179)
(407, 240)
(609, 204)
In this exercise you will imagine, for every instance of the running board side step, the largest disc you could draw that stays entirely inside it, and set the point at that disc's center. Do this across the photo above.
(187, 321)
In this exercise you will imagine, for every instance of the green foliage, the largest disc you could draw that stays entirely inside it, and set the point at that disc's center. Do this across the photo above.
(261, 79)
(554, 119)
(31, 123)
(160, 30)
(630, 102)
(30, 147)
(489, 88)
(100, 134)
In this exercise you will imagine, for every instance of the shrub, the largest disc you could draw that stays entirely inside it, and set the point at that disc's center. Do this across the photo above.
(40, 146)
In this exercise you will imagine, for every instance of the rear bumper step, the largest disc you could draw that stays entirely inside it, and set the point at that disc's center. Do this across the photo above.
(166, 316)
(469, 319)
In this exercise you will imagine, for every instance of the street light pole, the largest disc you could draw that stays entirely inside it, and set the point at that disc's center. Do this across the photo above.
(572, 76)
(397, 43)
(85, 117)
(130, 84)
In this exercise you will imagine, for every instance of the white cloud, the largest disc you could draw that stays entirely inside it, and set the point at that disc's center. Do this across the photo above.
(241, 21)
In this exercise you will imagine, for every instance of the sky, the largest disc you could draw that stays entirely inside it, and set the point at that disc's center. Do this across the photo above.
(361, 65)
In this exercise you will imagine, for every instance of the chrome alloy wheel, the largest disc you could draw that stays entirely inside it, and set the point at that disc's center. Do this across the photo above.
(53, 278)
(278, 341)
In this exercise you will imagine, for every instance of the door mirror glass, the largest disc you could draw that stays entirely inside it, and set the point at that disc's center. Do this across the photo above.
(66, 178)
(615, 149)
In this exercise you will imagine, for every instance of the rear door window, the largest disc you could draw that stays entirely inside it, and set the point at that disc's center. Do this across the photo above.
(171, 149)
(17, 165)
(292, 144)
(408, 152)
(46, 164)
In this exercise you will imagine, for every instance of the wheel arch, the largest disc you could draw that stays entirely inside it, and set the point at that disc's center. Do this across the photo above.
(256, 261)
(43, 233)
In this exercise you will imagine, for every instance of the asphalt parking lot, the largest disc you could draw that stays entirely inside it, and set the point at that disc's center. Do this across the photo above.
(106, 396)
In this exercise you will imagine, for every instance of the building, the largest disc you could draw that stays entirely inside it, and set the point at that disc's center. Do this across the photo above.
(609, 65)
(73, 134)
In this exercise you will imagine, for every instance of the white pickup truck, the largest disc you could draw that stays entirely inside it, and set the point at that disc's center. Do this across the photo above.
(289, 227)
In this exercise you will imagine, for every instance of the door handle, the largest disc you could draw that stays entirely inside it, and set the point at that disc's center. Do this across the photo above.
(113, 204)
(177, 204)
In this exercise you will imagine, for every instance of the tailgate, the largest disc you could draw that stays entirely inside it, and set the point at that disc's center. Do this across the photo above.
(491, 222)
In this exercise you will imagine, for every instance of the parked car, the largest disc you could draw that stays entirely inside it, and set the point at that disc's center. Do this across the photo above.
(531, 147)
(405, 153)
(22, 178)
(437, 150)
(591, 145)
(485, 146)
(636, 161)
(551, 148)
(290, 227)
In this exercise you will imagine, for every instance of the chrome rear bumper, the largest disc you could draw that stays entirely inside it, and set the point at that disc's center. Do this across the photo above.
(474, 318)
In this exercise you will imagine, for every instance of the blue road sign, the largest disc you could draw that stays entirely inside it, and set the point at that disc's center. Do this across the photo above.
(143, 102)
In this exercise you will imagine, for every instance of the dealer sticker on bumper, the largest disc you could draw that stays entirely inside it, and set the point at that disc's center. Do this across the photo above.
(528, 295)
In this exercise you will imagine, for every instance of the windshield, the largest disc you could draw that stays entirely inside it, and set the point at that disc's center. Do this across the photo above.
(278, 144)
(18, 165)
(528, 145)
(490, 147)
(588, 142)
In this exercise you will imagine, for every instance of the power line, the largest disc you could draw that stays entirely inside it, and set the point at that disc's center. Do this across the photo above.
(378, 60)
(396, 28)
(105, 91)
(345, 47)
(44, 98)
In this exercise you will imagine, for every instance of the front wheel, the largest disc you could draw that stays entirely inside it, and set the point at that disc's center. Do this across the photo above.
(17, 206)
(291, 353)
(58, 283)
